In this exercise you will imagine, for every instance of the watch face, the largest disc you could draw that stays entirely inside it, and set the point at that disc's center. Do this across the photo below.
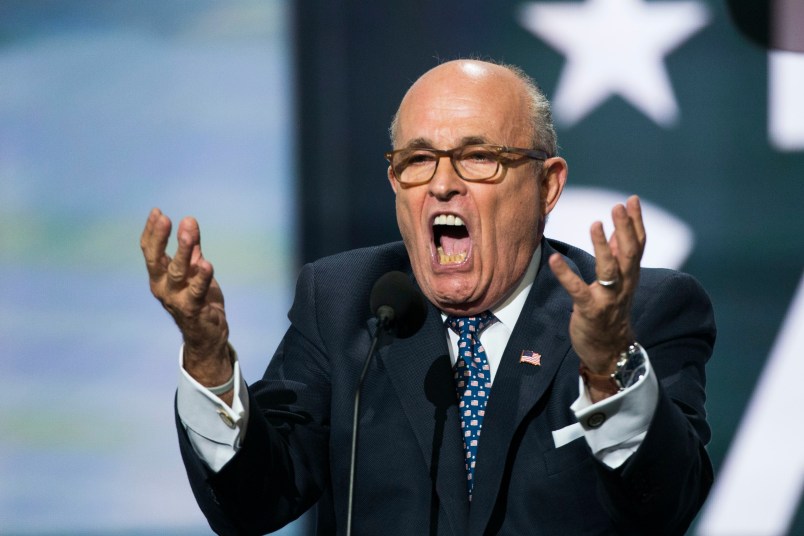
(633, 369)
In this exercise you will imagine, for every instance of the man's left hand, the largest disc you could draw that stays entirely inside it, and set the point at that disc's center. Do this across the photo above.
(600, 326)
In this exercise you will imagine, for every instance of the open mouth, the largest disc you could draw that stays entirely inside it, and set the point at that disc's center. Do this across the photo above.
(451, 239)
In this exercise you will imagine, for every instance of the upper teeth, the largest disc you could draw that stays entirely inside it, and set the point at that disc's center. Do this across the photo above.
(447, 219)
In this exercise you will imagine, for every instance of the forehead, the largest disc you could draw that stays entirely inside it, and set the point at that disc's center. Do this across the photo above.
(459, 101)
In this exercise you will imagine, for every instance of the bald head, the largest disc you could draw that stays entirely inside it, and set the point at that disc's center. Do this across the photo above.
(499, 81)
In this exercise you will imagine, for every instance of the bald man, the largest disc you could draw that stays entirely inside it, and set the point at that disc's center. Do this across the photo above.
(548, 392)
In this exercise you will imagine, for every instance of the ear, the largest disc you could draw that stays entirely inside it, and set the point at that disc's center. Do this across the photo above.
(392, 180)
(554, 177)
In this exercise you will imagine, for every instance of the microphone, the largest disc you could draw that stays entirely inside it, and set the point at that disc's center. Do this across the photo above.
(400, 310)
(398, 305)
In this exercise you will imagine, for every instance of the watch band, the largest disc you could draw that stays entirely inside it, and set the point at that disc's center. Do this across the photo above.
(223, 388)
(630, 368)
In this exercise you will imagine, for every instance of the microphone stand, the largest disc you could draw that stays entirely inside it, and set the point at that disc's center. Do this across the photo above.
(385, 315)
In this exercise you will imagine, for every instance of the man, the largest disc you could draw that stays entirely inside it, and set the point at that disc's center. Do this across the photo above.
(475, 173)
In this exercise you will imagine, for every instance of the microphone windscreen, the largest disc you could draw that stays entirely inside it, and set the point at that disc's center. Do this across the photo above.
(395, 290)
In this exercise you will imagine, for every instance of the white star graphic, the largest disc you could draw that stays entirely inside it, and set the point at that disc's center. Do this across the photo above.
(614, 47)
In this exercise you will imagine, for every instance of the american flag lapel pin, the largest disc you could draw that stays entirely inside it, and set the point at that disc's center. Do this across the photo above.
(531, 358)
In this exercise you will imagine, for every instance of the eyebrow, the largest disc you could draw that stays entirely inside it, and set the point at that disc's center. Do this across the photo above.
(425, 143)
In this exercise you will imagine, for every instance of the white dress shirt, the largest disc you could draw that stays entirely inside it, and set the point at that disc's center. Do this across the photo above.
(216, 431)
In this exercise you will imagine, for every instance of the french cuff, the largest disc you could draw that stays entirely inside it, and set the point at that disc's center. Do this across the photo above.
(206, 415)
(615, 427)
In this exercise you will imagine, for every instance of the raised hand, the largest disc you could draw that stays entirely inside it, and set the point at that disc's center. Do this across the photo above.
(600, 326)
(185, 286)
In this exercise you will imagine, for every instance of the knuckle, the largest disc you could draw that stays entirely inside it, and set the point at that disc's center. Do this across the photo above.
(197, 291)
(175, 272)
(152, 266)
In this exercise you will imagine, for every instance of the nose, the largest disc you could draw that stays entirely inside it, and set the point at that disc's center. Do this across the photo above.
(446, 182)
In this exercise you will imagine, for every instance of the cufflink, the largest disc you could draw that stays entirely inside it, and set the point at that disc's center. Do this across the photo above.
(226, 418)
(595, 420)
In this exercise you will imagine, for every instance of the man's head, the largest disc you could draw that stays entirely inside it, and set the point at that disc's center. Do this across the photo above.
(464, 269)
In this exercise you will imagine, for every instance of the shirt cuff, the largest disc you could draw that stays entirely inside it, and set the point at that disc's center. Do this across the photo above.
(215, 430)
(615, 427)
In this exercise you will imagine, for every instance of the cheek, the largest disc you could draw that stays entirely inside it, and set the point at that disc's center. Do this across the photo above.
(406, 219)
(516, 222)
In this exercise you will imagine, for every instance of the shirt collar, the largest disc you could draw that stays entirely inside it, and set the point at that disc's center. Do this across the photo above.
(507, 312)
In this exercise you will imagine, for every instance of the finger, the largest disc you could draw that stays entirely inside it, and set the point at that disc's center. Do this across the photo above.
(606, 267)
(189, 237)
(574, 285)
(200, 282)
(153, 242)
(628, 247)
(195, 255)
(634, 209)
(613, 247)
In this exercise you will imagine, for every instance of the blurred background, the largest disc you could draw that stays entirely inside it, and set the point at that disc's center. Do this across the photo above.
(267, 121)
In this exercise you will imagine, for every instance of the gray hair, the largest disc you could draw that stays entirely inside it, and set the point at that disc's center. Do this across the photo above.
(541, 118)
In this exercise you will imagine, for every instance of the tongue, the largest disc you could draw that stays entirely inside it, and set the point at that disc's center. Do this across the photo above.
(455, 244)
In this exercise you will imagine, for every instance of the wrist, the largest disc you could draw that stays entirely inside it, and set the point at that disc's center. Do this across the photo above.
(599, 386)
(623, 372)
(211, 369)
(600, 354)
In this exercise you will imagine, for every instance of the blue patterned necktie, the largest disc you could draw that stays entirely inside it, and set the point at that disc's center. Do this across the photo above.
(473, 383)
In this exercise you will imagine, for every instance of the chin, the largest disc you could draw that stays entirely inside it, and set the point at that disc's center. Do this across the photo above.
(454, 296)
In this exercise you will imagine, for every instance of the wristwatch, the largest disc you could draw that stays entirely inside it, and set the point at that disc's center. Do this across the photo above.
(630, 368)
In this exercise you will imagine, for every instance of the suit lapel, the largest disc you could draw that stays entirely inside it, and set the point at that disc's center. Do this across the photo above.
(431, 408)
(542, 328)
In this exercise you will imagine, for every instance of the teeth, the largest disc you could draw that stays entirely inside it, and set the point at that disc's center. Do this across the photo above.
(453, 258)
(448, 219)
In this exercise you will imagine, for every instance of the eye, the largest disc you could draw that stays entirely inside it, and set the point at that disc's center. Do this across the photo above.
(478, 155)
(420, 157)
(415, 157)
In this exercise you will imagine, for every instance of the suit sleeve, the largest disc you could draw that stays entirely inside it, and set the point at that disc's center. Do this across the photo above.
(664, 483)
(282, 468)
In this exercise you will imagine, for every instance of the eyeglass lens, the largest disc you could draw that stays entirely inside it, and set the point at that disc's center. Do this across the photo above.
(472, 162)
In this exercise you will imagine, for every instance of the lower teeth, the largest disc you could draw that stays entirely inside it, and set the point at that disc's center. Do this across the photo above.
(453, 258)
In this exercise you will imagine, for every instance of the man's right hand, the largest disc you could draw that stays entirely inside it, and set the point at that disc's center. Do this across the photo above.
(186, 288)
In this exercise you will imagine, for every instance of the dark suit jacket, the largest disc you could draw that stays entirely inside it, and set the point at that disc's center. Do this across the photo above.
(410, 476)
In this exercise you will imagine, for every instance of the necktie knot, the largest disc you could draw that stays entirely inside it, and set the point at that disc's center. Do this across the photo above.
(471, 326)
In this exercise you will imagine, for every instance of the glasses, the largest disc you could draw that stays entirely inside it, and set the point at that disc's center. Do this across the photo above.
(474, 163)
